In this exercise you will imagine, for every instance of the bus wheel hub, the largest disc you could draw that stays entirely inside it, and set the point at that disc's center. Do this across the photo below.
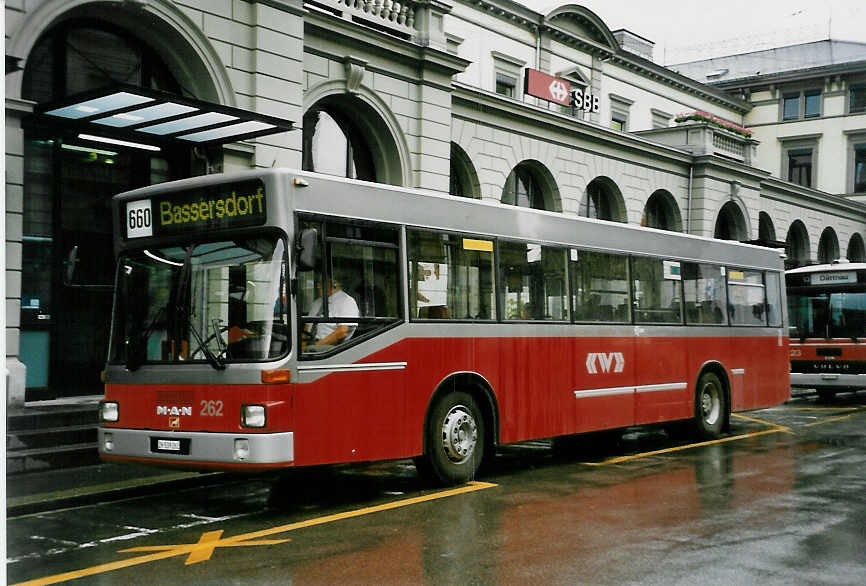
(459, 434)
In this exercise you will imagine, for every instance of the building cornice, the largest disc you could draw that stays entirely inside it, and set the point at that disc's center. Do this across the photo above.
(352, 34)
(758, 81)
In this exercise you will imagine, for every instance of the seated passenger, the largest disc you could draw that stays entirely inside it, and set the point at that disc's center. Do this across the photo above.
(340, 305)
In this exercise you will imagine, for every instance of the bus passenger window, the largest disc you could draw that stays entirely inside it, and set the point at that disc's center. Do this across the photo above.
(746, 303)
(451, 276)
(657, 296)
(774, 300)
(358, 269)
(599, 286)
(534, 281)
(704, 293)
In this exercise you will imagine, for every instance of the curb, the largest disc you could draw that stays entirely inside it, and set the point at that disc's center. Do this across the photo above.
(107, 492)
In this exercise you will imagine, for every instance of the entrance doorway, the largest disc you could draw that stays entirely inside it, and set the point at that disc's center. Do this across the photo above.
(67, 255)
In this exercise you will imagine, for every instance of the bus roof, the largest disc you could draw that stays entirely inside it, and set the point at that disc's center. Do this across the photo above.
(839, 265)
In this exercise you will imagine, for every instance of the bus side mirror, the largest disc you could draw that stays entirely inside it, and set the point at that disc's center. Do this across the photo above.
(308, 248)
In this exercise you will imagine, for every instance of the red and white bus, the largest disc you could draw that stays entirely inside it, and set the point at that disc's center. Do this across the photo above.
(827, 309)
(451, 325)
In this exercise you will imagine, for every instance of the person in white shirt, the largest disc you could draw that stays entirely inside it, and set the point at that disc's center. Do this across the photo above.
(340, 305)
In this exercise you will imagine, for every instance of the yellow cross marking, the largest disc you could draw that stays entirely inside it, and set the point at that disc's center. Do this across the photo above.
(207, 543)
(201, 551)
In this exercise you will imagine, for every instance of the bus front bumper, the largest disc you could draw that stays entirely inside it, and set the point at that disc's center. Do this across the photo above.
(198, 449)
(828, 381)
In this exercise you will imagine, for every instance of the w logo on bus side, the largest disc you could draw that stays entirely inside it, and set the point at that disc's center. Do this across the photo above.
(603, 361)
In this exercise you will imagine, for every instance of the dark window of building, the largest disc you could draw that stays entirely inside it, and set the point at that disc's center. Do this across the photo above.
(506, 85)
(334, 145)
(800, 167)
(522, 189)
(857, 98)
(860, 168)
(812, 104)
(618, 122)
(791, 107)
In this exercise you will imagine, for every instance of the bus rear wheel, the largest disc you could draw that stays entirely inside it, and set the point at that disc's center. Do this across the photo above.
(454, 439)
(710, 407)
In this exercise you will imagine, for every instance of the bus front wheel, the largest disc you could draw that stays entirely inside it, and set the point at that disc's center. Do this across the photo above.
(710, 407)
(454, 439)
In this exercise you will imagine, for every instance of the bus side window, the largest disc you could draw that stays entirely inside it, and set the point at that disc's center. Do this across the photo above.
(657, 285)
(746, 301)
(774, 299)
(704, 293)
(533, 278)
(451, 276)
(599, 286)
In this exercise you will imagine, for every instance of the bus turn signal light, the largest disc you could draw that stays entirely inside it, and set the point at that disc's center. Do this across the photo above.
(280, 376)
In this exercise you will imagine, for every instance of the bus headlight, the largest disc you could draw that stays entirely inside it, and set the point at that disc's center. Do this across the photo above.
(253, 416)
(109, 411)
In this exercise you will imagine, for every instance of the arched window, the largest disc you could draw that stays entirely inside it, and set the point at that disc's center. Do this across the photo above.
(856, 250)
(797, 245)
(828, 246)
(463, 180)
(523, 189)
(661, 212)
(730, 224)
(334, 145)
(81, 55)
(603, 201)
(766, 230)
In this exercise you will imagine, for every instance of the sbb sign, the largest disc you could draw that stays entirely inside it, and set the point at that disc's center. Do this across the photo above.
(557, 90)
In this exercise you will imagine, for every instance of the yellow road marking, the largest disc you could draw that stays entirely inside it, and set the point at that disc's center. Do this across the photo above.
(209, 541)
(762, 422)
(832, 419)
(723, 440)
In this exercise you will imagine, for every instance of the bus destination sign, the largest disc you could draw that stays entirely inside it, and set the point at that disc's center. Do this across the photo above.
(231, 205)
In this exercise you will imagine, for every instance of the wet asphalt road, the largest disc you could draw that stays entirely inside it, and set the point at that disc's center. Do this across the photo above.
(782, 500)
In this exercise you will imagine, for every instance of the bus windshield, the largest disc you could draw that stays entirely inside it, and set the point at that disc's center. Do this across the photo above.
(213, 302)
(827, 315)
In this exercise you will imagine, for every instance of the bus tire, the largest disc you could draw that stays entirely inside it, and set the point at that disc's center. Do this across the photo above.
(454, 439)
(710, 407)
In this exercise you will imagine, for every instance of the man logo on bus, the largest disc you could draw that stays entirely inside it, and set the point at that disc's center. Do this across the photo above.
(604, 361)
(173, 411)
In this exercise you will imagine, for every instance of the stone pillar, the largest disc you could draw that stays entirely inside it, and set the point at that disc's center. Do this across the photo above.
(429, 25)
(16, 372)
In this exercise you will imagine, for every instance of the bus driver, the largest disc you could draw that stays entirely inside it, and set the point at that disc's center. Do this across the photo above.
(340, 304)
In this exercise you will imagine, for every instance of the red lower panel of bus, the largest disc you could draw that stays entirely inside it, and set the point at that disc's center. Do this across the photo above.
(542, 387)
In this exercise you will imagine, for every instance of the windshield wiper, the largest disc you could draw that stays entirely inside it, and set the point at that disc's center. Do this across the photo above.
(211, 358)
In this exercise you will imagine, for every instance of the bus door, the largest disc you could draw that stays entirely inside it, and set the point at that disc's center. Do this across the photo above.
(604, 351)
(661, 376)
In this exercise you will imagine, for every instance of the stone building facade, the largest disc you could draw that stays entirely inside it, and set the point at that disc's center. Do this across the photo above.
(420, 93)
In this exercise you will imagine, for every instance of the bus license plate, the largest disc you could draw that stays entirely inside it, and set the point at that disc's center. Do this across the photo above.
(164, 445)
(168, 445)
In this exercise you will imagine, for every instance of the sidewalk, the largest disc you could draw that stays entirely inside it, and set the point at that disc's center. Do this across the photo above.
(68, 484)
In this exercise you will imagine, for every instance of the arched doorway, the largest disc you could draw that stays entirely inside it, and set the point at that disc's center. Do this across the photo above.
(730, 223)
(856, 250)
(531, 185)
(68, 183)
(463, 181)
(797, 245)
(344, 136)
(603, 201)
(828, 246)
(661, 211)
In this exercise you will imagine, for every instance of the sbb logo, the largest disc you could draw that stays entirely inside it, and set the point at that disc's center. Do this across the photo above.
(605, 362)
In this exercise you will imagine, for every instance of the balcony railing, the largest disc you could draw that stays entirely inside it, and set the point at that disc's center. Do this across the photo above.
(387, 15)
(703, 138)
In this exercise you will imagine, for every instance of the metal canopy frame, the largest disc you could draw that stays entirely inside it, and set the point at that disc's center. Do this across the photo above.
(151, 117)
